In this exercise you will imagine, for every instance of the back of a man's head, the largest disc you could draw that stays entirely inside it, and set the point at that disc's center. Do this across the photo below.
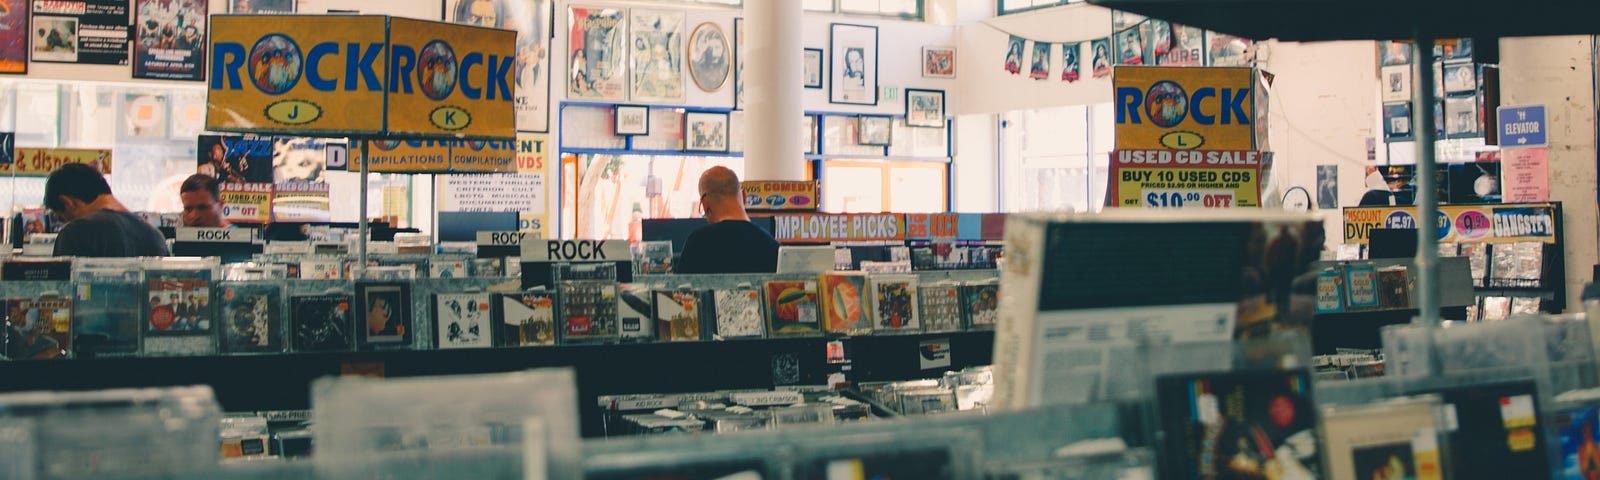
(74, 180)
(720, 182)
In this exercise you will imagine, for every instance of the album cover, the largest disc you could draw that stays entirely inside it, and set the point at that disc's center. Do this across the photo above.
(1580, 452)
(1530, 263)
(894, 303)
(980, 303)
(179, 316)
(106, 319)
(321, 269)
(252, 318)
(588, 311)
(1461, 118)
(38, 328)
(1497, 434)
(656, 257)
(489, 267)
(447, 268)
(1478, 256)
(1397, 121)
(844, 303)
(526, 319)
(1239, 425)
(1362, 280)
(384, 315)
(322, 323)
(677, 315)
(941, 307)
(462, 320)
(1495, 309)
(1460, 77)
(1390, 439)
(1504, 265)
(634, 315)
(383, 273)
(738, 313)
(1330, 291)
(1525, 305)
(1396, 83)
(1394, 287)
(792, 308)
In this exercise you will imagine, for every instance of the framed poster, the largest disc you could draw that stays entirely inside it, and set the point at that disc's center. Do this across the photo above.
(705, 132)
(738, 63)
(854, 49)
(632, 120)
(170, 39)
(1397, 121)
(1228, 51)
(14, 46)
(266, 7)
(1102, 57)
(531, 20)
(939, 62)
(656, 39)
(1460, 78)
(595, 54)
(874, 130)
(90, 32)
(1395, 53)
(710, 60)
(1461, 117)
(1039, 65)
(813, 67)
(925, 108)
(1396, 83)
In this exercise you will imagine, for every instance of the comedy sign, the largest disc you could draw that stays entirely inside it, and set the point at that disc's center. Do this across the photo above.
(1187, 178)
(780, 196)
(1185, 108)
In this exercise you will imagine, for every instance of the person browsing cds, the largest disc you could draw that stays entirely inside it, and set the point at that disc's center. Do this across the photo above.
(730, 243)
(202, 202)
(97, 224)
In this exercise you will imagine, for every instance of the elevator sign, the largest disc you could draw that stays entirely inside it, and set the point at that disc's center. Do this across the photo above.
(1523, 126)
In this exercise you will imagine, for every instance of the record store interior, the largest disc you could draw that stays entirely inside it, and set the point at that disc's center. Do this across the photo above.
(799, 240)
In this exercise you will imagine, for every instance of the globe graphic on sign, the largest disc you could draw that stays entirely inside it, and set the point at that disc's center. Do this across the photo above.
(436, 70)
(386, 145)
(275, 64)
(1166, 104)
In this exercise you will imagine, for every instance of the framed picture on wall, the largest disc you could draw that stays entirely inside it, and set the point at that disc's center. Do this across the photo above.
(710, 58)
(924, 108)
(657, 43)
(813, 66)
(874, 130)
(1460, 78)
(705, 132)
(596, 65)
(1396, 83)
(939, 62)
(632, 120)
(853, 65)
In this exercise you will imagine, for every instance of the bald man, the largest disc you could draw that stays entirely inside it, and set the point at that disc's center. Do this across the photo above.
(730, 243)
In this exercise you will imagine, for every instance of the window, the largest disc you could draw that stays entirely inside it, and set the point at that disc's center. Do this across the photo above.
(1056, 159)
(903, 9)
(873, 186)
(616, 191)
(1013, 6)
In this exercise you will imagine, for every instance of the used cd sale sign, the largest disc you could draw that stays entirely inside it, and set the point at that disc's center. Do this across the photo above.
(1187, 178)
(1185, 108)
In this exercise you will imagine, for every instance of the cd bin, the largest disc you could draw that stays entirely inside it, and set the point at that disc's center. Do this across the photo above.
(129, 432)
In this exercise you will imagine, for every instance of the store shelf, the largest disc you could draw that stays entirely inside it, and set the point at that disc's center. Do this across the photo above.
(282, 382)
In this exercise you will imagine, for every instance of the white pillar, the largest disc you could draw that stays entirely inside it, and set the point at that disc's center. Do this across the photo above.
(774, 112)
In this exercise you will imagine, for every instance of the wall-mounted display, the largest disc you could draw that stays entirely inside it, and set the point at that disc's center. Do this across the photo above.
(1394, 53)
(1070, 66)
(14, 47)
(874, 130)
(1460, 78)
(738, 63)
(595, 54)
(89, 32)
(705, 132)
(854, 68)
(170, 39)
(1039, 65)
(924, 108)
(1102, 57)
(1396, 83)
(813, 67)
(531, 20)
(1461, 117)
(656, 39)
(632, 120)
(939, 62)
(709, 57)
(1397, 121)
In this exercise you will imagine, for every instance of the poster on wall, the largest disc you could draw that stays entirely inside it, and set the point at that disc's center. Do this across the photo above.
(1327, 187)
(89, 32)
(1158, 39)
(596, 67)
(656, 39)
(235, 158)
(531, 20)
(170, 39)
(1014, 54)
(1102, 57)
(1228, 50)
(854, 64)
(710, 59)
(14, 37)
(1130, 46)
(1039, 65)
(266, 7)
(298, 159)
(1070, 65)
(1188, 47)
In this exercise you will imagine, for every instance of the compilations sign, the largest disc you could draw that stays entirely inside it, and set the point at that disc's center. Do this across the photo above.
(341, 74)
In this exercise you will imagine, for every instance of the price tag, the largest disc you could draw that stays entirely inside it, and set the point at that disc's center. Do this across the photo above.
(1188, 199)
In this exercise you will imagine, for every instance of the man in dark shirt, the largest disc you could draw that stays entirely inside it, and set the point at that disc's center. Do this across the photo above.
(97, 224)
(730, 244)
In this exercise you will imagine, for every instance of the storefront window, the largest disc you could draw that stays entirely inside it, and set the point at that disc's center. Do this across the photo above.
(614, 191)
(871, 186)
(1014, 6)
(1055, 159)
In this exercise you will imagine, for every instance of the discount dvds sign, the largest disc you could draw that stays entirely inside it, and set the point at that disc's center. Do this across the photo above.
(1187, 178)
(1521, 222)
(1186, 108)
(341, 74)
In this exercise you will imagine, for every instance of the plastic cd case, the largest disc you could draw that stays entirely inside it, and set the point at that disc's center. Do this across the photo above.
(678, 315)
(321, 269)
(489, 267)
(1213, 420)
(384, 315)
(38, 328)
(1330, 291)
(525, 319)
(1394, 287)
(980, 304)
(587, 296)
(738, 313)
(106, 319)
(447, 267)
(894, 304)
(655, 257)
(179, 315)
(634, 313)
(322, 323)
(252, 317)
(792, 308)
(845, 308)
(941, 307)
(462, 320)
(1396, 438)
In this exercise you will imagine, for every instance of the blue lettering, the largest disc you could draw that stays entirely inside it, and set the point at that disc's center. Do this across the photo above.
(1234, 105)
(364, 67)
(1194, 106)
(226, 60)
(500, 78)
(314, 70)
(450, 117)
(467, 62)
(293, 114)
(402, 60)
(1128, 100)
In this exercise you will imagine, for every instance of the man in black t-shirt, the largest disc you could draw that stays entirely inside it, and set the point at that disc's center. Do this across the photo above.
(730, 244)
(97, 224)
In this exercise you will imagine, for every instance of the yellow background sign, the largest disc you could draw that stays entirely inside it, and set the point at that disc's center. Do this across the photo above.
(470, 94)
(246, 202)
(1502, 223)
(404, 156)
(483, 156)
(1187, 178)
(1185, 108)
(289, 73)
(533, 158)
(39, 162)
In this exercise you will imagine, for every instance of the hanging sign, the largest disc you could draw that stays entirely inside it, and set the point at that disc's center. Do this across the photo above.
(780, 196)
(1523, 126)
(1502, 223)
(39, 162)
(825, 228)
(483, 156)
(1187, 178)
(246, 202)
(1185, 108)
(463, 78)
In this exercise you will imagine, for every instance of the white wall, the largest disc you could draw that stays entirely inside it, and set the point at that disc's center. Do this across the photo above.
(980, 58)
(974, 178)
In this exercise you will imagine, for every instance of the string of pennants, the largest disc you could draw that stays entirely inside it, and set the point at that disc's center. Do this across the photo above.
(1145, 42)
